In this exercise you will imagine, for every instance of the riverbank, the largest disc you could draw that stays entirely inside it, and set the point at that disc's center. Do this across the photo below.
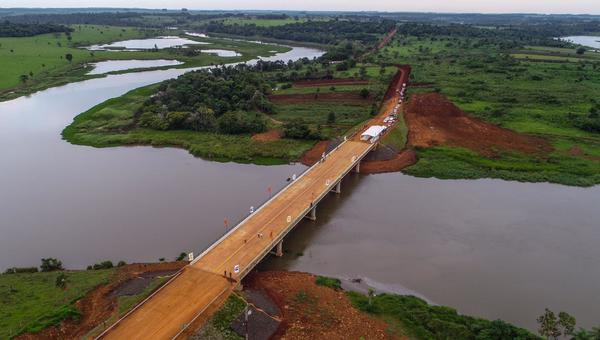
(288, 305)
(36, 306)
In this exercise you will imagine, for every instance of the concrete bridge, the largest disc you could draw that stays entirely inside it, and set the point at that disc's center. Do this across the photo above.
(192, 296)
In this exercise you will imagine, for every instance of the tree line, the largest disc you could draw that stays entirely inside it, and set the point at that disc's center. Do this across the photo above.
(9, 29)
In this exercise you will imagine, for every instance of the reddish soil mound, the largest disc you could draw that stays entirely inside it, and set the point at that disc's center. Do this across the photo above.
(98, 305)
(312, 156)
(314, 312)
(434, 120)
(330, 82)
(267, 136)
(340, 97)
(403, 159)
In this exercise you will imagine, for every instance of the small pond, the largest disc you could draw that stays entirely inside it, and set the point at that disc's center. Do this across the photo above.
(147, 44)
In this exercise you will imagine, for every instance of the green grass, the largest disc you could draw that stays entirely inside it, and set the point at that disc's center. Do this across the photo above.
(44, 56)
(545, 57)
(218, 327)
(32, 302)
(532, 97)
(107, 124)
(413, 317)
(328, 282)
(398, 136)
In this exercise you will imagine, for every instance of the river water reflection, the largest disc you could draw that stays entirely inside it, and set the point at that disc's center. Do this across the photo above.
(490, 248)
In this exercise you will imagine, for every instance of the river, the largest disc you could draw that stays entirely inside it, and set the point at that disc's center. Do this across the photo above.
(490, 248)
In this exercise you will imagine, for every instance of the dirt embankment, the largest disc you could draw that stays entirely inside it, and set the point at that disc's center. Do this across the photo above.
(434, 120)
(268, 136)
(330, 82)
(310, 311)
(98, 305)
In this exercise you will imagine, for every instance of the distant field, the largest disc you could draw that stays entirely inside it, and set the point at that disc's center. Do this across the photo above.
(46, 53)
(545, 57)
(42, 59)
(263, 22)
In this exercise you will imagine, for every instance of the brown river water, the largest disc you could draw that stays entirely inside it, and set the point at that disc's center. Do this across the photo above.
(489, 248)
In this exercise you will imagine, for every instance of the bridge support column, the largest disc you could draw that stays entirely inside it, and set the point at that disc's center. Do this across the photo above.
(279, 249)
(357, 168)
(312, 215)
(338, 188)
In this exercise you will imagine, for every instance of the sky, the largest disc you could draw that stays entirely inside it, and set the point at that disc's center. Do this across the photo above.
(479, 6)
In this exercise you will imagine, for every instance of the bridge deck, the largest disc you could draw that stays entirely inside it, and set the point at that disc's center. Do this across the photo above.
(202, 284)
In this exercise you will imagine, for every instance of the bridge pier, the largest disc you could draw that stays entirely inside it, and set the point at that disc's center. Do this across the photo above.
(338, 187)
(279, 249)
(312, 215)
(357, 168)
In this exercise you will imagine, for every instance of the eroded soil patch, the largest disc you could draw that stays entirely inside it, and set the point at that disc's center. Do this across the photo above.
(434, 120)
(310, 311)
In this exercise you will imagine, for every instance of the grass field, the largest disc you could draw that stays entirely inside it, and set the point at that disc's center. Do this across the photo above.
(32, 302)
(42, 59)
(533, 97)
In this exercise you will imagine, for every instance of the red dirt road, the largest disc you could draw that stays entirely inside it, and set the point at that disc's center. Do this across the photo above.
(434, 120)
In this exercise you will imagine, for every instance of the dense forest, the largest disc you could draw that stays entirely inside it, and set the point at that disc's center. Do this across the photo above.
(226, 99)
(9, 29)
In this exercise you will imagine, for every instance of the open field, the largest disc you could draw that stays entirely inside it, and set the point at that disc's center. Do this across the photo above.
(32, 302)
(29, 64)
(544, 99)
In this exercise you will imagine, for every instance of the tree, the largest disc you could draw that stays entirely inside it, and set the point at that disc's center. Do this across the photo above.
(69, 57)
(362, 72)
(51, 264)
(548, 325)
(331, 117)
(24, 78)
(566, 323)
(580, 51)
(365, 93)
(203, 119)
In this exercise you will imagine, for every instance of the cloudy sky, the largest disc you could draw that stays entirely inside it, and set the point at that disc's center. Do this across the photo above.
(483, 6)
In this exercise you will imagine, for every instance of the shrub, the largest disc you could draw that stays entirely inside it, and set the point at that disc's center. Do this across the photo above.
(61, 281)
(329, 282)
(19, 270)
(102, 265)
(51, 264)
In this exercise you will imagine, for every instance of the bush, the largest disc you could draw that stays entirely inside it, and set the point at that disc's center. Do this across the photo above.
(329, 282)
(51, 264)
(365, 93)
(17, 270)
(61, 281)
(239, 122)
(121, 263)
(102, 265)
(296, 130)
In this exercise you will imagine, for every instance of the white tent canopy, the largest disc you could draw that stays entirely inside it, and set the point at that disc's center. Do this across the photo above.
(372, 132)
